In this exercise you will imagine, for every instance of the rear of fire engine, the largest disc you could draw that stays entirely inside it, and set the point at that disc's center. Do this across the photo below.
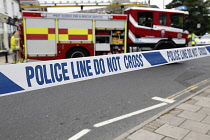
(151, 28)
(49, 36)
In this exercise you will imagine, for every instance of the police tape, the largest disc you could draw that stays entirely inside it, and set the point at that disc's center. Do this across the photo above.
(37, 75)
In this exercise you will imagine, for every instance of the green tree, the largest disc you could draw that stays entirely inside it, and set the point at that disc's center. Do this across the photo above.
(175, 3)
(198, 14)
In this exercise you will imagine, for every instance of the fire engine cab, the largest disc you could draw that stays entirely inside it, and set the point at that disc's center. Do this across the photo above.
(49, 36)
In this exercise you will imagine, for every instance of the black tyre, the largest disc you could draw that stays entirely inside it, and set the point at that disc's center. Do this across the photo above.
(76, 52)
(164, 45)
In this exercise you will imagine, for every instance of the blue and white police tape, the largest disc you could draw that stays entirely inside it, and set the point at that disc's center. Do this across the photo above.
(32, 76)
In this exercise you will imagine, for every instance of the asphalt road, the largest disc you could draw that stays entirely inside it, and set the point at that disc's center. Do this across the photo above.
(61, 112)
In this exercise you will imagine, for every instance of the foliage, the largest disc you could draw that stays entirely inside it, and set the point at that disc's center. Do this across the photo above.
(199, 12)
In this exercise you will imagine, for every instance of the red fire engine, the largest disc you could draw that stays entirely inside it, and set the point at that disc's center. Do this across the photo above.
(49, 36)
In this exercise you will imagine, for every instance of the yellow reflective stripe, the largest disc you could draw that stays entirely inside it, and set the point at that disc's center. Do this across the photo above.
(125, 37)
(90, 37)
(36, 30)
(63, 37)
(12, 41)
(93, 32)
(77, 31)
(56, 30)
(25, 42)
(51, 36)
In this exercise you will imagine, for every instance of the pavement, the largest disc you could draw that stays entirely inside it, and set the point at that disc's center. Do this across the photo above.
(188, 119)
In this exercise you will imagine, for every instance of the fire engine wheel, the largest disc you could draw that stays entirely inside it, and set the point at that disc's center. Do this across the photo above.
(77, 52)
(165, 45)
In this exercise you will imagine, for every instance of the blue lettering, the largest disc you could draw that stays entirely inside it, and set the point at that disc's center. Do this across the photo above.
(102, 67)
(64, 71)
(73, 72)
(29, 75)
(109, 63)
(118, 62)
(78, 70)
(89, 68)
(202, 51)
(125, 60)
(82, 68)
(52, 73)
(57, 67)
(184, 54)
(189, 52)
(195, 52)
(47, 81)
(113, 64)
(139, 60)
(39, 75)
(173, 55)
(133, 61)
(130, 62)
(96, 66)
(58, 72)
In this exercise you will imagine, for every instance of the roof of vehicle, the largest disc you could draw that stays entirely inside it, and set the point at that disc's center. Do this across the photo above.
(206, 36)
(156, 9)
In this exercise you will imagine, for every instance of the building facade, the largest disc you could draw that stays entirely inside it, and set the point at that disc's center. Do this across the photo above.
(9, 17)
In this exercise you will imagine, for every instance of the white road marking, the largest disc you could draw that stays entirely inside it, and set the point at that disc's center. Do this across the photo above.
(80, 134)
(163, 100)
(129, 115)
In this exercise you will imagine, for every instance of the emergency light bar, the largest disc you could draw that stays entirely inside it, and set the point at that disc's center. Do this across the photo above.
(182, 8)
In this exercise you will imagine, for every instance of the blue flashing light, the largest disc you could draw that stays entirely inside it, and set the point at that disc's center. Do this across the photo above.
(183, 8)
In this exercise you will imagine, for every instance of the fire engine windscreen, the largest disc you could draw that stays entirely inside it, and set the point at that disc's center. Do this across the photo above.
(177, 20)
